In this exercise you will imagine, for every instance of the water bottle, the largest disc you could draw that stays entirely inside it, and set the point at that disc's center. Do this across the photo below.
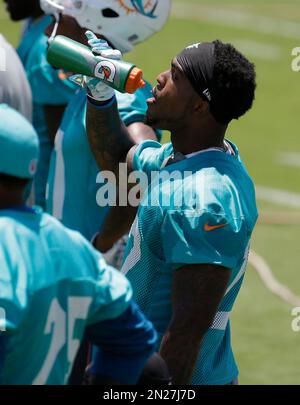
(64, 53)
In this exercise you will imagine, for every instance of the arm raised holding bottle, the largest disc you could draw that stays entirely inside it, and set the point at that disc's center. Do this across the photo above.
(103, 117)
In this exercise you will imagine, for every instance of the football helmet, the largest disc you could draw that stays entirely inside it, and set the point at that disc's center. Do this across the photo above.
(124, 23)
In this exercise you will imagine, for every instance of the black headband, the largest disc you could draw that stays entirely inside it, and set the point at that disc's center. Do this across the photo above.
(197, 62)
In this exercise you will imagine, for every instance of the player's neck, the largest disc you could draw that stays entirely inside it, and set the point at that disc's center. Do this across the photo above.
(10, 199)
(189, 140)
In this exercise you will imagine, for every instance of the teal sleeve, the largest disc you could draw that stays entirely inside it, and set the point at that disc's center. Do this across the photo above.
(2, 354)
(198, 237)
(113, 292)
(13, 294)
(133, 107)
(150, 155)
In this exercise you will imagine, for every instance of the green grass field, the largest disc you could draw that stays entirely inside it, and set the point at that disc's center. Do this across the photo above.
(266, 348)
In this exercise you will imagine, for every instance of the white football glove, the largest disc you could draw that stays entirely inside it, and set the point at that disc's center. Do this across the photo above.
(114, 257)
(96, 88)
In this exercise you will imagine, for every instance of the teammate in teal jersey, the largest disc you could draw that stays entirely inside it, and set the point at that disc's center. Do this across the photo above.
(188, 247)
(73, 182)
(51, 90)
(54, 286)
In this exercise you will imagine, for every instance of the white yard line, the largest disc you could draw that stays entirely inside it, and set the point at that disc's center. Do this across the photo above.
(279, 218)
(271, 282)
(289, 159)
(278, 196)
(258, 49)
(237, 19)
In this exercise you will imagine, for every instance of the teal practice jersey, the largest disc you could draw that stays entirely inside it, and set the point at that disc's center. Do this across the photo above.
(53, 285)
(74, 179)
(198, 210)
(49, 87)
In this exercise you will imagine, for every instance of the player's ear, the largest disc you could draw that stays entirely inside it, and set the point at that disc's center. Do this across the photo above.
(201, 106)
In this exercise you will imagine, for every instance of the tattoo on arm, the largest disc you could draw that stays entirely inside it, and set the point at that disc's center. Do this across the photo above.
(108, 136)
(111, 141)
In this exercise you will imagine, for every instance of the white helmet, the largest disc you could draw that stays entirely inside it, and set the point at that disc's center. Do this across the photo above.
(124, 23)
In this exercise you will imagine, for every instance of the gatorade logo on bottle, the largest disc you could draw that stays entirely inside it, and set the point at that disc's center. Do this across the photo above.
(106, 70)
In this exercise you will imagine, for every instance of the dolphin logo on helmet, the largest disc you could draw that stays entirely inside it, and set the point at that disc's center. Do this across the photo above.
(142, 8)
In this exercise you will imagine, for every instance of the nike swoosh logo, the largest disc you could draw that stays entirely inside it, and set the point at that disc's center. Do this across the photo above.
(208, 228)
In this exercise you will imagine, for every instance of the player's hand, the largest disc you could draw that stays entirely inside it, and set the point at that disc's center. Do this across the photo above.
(101, 47)
(114, 257)
(112, 253)
(96, 88)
